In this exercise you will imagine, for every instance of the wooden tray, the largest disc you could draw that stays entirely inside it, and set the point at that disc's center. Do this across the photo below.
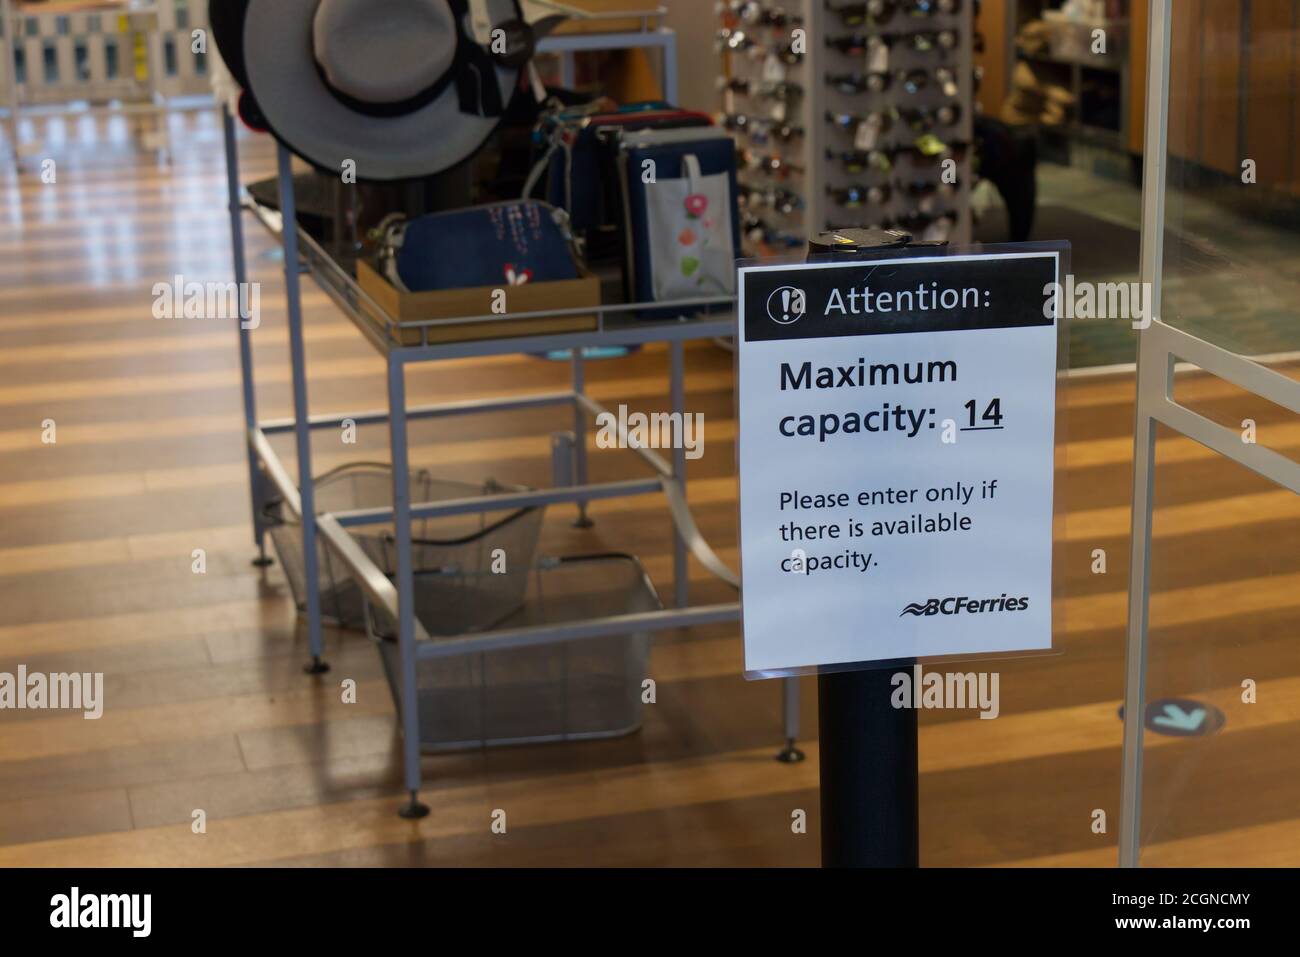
(477, 301)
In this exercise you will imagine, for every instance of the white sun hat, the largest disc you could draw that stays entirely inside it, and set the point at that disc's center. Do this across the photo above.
(401, 88)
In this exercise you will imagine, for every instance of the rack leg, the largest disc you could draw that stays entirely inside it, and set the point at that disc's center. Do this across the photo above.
(405, 587)
(414, 809)
(790, 754)
(681, 574)
(302, 431)
(245, 343)
(669, 49)
(580, 436)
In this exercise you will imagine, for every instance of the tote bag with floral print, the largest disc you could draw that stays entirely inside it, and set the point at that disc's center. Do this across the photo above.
(689, 219)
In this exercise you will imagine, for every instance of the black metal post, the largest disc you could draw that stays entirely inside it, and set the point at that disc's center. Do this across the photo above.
(869, 773)
(869, 812)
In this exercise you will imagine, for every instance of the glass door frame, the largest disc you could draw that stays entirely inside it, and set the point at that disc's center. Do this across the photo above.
(1160, 346)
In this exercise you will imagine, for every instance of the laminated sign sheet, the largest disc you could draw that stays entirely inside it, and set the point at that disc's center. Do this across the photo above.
(896, 442)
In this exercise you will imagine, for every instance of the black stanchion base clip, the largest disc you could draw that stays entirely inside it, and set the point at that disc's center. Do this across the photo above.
(414, 810)
(790, 754)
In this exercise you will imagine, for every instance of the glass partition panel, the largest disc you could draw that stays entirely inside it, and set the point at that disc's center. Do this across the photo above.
(1232, 207)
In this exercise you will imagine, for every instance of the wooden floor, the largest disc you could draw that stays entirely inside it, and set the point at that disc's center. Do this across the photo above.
(207, 706)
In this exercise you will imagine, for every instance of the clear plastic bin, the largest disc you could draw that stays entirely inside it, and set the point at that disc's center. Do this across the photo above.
(557, 692)
(455, 553)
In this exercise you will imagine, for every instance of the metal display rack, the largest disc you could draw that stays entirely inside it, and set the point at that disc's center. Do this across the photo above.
(807, 162)
(767, 223)
(268, 475)
(908, 167)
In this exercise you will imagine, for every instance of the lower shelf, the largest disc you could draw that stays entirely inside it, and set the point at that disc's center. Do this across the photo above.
(588, 688)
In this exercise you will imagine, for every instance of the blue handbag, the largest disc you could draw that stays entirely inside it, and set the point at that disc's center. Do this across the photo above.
(582, 157)
(500, 244)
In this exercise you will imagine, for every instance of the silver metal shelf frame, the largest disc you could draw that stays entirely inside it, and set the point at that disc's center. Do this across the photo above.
(384, 332)
(650, 38)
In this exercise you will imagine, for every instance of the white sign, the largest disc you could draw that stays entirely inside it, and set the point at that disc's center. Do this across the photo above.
(897, 423)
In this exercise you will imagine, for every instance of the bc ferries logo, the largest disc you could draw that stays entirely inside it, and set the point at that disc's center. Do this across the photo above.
(786, 305)
(972, 606)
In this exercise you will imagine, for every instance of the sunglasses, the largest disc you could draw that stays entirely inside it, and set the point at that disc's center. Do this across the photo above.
(777, 198)
(929, 145)
(929, 8)
(757, 231)
(873, 12)
(925, 118)
(760, 130)
(845, 121)
(862, 161)
(786, 54)
(772, 163)
(782, 90)
(928, 160)
(881, 119)
(859, 82)
(756, 15)
(853, 197)
(914, 81)
(856, 44)
(737, 40)
(927, 40)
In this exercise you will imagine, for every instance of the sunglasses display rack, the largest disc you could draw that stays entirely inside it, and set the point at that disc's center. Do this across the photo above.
(764, 84)
(870, 125)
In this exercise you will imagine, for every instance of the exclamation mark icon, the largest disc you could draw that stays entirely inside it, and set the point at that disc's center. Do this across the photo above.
(785, 304)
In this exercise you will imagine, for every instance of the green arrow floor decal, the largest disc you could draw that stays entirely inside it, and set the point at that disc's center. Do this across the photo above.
(1180, 720)
(1182, 717)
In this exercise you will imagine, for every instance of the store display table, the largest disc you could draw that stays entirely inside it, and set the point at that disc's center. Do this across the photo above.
(393, 596)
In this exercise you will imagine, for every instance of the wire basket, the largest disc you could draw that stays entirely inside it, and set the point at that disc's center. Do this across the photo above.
(564, 691)
(459, 553)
